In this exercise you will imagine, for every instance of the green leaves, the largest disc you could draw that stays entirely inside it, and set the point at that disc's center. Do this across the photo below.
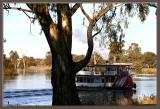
(129, 8)
(143, 10)
(149, 59)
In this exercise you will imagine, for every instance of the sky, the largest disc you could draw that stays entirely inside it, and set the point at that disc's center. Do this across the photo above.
(26, 39)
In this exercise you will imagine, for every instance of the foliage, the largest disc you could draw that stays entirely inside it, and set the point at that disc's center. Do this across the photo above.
(149, 59)
(134, 55)
(149, 70)
(137, 66)
(140, 60)
(8, 66)
(13, 57)
(95, 59)
(115, 23)
(48, 58)
(78, 58)
(31, 61)
(145, 100)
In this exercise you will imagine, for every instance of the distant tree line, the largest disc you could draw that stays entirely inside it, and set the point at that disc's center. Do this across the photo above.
(132, 55)
(11, 63)
(135, 56)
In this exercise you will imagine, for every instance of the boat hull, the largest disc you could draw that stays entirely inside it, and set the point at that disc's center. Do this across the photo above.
(82, 88)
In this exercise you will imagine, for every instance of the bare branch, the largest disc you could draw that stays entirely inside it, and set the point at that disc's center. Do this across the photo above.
(84, 12)
(82, 63)
(97, 32)
(19, 9)
(74, 8)
(152, 5)
(29, 16)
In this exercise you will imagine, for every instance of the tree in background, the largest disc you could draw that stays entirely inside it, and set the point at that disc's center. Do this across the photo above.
(31, 61)
(13, 57)
(58, 33)
(48, 58)
(77, 58)
(134, 55)
(8, 66)
(115, 46)
(97, 59)
(149, 59)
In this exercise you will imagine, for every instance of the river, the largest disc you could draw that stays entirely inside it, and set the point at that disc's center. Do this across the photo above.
(34, 88)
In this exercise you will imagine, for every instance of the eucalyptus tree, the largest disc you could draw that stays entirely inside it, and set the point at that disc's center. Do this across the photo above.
(48, 58)
(58, 33)
(13, 57)
(149, 59)
(134, 55)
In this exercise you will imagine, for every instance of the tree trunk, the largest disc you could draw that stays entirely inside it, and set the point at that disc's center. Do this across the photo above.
(59, 37)
(63, 82)
(63, 75)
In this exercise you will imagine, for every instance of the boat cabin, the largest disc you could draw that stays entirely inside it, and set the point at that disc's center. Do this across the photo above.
(101, 75)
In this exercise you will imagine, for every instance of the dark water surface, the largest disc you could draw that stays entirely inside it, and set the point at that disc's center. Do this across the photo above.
(34, 88)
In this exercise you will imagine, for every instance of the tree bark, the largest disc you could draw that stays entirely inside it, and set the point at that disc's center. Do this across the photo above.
(59, 37)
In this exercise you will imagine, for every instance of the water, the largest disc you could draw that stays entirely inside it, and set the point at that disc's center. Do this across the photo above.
(34, 88)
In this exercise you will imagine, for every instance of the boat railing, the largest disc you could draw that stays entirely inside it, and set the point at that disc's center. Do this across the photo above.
(110, 73)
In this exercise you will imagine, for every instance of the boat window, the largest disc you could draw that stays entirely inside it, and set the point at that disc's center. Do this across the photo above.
(112, 78)
(92, 80)
(103, 80)
(97, 80)
(111, 69)
(84, 79)
(88, 80)
(108, 79)
(80, 79)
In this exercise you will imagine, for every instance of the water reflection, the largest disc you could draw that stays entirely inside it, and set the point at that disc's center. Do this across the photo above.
(115, 97)
(106, 97)
(145, 92)
(28, 80)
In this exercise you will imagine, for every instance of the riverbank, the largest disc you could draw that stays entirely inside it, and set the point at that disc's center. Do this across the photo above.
(39, 68)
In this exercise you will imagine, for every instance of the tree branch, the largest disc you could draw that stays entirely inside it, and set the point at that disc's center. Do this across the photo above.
(15, 8)
(82, 63)
(28, 15)
(84, 12)
(152, 5)
(103, 11)
(97, 32)
(74, 8)
(19, 9)
(114, 12)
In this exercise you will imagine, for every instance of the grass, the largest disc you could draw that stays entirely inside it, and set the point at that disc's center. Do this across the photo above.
(146, 100)
(149, 70)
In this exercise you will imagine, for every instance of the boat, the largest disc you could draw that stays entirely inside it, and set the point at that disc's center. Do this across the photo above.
(107, 76)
